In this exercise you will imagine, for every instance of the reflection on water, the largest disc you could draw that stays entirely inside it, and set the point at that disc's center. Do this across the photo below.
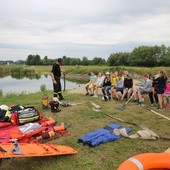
(36, 76)
(13, 84)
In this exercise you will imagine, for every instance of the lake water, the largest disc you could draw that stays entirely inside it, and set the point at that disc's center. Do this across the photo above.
(30, 85)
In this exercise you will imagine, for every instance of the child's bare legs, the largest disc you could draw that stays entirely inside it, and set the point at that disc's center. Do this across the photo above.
(125, 91)
(160, 99)
(111, 92)
(139, 96)
(129, 93)
(135, 95)
(116, 93)
(90, 90)
(87, 89)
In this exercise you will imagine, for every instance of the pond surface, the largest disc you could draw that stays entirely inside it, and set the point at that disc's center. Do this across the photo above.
(30, 85)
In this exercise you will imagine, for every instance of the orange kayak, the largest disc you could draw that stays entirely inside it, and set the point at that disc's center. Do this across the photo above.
(7, 150)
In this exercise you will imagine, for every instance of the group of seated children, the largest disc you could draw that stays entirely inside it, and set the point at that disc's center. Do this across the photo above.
(121, 86)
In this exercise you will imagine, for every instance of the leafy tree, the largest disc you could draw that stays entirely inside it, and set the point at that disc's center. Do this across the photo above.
(29, 58)
(85, 61)
(98, 61)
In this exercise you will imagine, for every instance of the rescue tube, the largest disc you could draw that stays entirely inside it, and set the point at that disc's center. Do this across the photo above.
(4, 124)
(146, 161)
(8, 150)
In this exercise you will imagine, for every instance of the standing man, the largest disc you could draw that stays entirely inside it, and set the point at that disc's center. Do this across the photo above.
(55, 75)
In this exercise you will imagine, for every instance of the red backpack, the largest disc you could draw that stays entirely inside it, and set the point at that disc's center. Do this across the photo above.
(25, 115)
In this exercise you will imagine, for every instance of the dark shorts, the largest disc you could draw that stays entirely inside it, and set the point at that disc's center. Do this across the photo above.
(143, 92)
(160, 91)
(119, 89)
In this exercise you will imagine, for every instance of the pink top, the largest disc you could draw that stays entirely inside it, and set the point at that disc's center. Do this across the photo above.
(167, 89)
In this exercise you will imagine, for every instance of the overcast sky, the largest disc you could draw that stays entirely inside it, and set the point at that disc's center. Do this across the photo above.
(77, 28)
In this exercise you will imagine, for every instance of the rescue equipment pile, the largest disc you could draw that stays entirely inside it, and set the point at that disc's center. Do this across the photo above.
(28, 128)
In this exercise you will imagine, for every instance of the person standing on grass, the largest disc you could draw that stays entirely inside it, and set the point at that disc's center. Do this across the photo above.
(167, 92)
(161, 84)
(153, 95)
(56, 75)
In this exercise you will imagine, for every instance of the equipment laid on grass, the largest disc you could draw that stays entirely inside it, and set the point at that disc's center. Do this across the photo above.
(145, 133)
(124, 105)
(102, 135)
(54, 106)
(113, 117)
(26, 115)
(146, 161)
(4, 124)
(29, 131)
(18, 150)
(167, 118)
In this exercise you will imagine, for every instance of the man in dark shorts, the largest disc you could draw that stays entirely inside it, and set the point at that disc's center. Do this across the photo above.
(56, 75)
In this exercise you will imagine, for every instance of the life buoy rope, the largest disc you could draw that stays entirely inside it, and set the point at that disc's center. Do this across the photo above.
(137, 163)
(146, 161)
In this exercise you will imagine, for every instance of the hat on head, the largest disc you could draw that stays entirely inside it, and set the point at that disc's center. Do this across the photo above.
(107, 73)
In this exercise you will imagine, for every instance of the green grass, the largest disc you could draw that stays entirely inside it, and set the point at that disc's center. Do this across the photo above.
(82, 70)
(87, 69)
(82, 119)
(16, 70)
(43, 88)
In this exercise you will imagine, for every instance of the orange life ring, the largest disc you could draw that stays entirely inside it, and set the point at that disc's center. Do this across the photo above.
(146, 161)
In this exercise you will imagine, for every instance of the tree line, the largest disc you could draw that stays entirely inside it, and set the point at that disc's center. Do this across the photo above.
(149, 56)
(36, 60)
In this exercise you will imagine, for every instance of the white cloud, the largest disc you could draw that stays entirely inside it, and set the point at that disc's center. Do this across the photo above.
(81, 28)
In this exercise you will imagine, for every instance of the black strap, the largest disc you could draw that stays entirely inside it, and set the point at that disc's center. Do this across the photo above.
(2, 149)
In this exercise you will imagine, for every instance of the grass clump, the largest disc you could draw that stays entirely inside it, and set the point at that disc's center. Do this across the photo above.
(1, 93)
(43, 88)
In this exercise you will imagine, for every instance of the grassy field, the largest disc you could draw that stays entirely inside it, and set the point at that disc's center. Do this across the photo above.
(87, 69)
(82, 119)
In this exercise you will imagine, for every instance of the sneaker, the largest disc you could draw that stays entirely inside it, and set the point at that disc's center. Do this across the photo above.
(139, 103)
(91, 94)
(159, 108)
(105, 98)
(157, 104)
(152, 105)
(95, 95)
(135, 101)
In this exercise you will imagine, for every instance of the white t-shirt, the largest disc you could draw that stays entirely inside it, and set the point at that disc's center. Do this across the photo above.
(100, 81)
